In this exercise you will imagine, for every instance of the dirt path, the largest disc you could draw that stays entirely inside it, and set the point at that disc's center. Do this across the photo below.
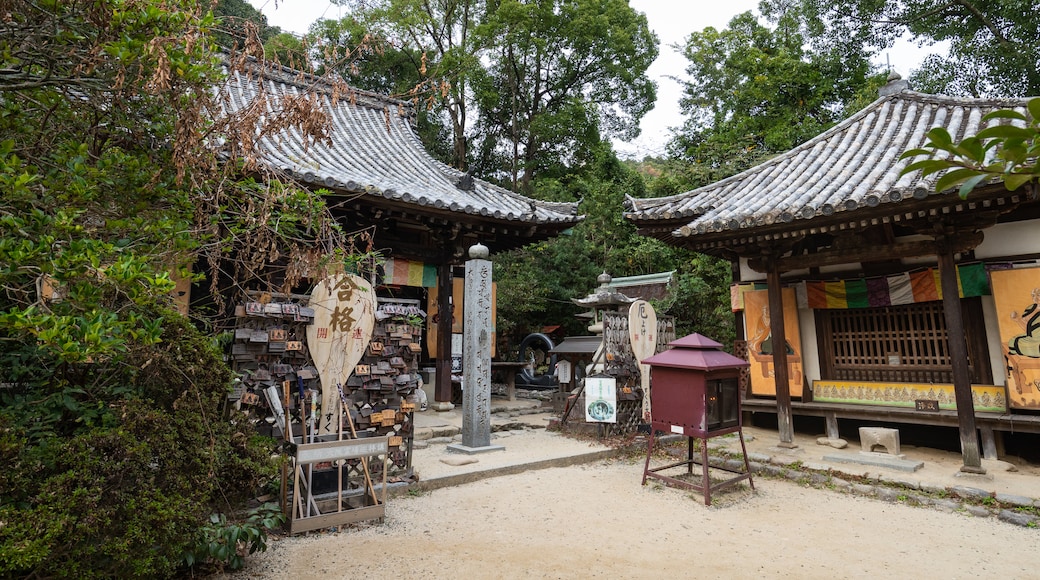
(596, 521)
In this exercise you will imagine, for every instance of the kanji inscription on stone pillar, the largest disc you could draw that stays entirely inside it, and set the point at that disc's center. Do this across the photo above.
(476, 356)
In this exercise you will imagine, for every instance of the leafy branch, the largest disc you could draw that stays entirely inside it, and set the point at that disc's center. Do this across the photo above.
(1007, 152)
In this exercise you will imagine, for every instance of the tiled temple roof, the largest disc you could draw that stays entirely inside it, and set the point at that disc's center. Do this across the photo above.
(374, 152)
(853, 166)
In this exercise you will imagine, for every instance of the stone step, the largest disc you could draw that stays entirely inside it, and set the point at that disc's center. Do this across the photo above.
(500, 421)
(498, 407)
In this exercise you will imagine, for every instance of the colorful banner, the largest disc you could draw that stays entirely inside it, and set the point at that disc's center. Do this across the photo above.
(400, 272)
(737, 291)
(905, 288)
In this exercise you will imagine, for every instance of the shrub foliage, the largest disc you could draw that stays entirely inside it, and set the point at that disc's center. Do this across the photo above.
(120, 170)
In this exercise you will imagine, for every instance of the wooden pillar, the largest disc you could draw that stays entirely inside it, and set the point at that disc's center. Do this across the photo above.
(739, 314)
(959, 359)
(990, 447)
(785, 426)
(831, 418)
(442, 389)
(740, 336)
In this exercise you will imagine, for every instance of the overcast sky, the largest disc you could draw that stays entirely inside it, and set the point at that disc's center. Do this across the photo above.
(672, 20)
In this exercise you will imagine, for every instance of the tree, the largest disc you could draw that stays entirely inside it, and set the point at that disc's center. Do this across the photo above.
(120, 168)
(753, 92)
(1006, 152)
(369, 61)
(548, 79)
(443, 34)
(699, 297)
(238, 20)
(993, 46)
(565, 74)
(536, 284)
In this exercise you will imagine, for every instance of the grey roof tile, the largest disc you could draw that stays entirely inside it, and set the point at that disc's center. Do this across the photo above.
(375, 152)
(851, 166)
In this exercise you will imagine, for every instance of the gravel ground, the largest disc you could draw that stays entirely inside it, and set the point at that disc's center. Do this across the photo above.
(596, 520)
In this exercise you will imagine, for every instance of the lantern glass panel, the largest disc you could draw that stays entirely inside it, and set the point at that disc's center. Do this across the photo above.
(722, 404)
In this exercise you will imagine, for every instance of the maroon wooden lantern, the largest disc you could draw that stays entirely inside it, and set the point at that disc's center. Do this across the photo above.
(694, 391)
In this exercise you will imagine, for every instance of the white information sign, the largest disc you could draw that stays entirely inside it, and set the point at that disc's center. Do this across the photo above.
(563, 371)
(600, 400)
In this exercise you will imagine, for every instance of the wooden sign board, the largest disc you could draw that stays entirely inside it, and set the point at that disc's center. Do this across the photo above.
(931, 405)
(600, 399)
(642, 331)
(344, 317)
(305, 514)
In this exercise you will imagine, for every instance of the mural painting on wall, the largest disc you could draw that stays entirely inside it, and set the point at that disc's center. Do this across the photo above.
(1016, 294)
(760, 343)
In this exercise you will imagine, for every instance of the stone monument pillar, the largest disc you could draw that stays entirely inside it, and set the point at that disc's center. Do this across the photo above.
(476, 356)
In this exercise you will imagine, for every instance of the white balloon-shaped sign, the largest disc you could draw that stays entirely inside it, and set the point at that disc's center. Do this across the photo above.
(344, 317)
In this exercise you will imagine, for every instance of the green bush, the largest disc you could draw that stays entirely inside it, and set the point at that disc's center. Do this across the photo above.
(113, 444)
(125, 495)
(223, 544)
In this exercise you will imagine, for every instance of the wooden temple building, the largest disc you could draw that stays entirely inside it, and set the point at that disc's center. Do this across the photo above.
(894, 303)
(423, 214)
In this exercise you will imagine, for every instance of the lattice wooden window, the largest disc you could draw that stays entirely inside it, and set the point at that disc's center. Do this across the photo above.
(907, 343)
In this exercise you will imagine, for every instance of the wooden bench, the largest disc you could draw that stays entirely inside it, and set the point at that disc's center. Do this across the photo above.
(990, 425)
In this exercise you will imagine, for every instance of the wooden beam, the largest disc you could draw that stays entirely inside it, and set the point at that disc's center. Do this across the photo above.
(959, 358)
(980, 214)
(785, 426)
(963, 243)
(442, 390)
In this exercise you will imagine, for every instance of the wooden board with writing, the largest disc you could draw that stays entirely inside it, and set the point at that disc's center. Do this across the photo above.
(642, 331)
(344, 317)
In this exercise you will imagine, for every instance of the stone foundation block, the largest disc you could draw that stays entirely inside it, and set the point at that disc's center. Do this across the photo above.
(873, 437)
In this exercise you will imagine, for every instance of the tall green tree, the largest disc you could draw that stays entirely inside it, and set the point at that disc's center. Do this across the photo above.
(237, 20)
(754, 91)
(364, 59)
(564, 75)
(546, 80)
(369, 61)
(537, 283)
(442, 33)
(993, 47)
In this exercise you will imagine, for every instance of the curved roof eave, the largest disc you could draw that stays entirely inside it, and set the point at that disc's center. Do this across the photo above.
(372, 150)
(853, 166)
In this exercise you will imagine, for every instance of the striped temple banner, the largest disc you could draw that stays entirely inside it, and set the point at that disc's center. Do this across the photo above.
(905, 288)
(736, 294)
(400, 272)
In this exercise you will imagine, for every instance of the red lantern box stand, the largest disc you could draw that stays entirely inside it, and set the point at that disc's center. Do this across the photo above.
(694, 391)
